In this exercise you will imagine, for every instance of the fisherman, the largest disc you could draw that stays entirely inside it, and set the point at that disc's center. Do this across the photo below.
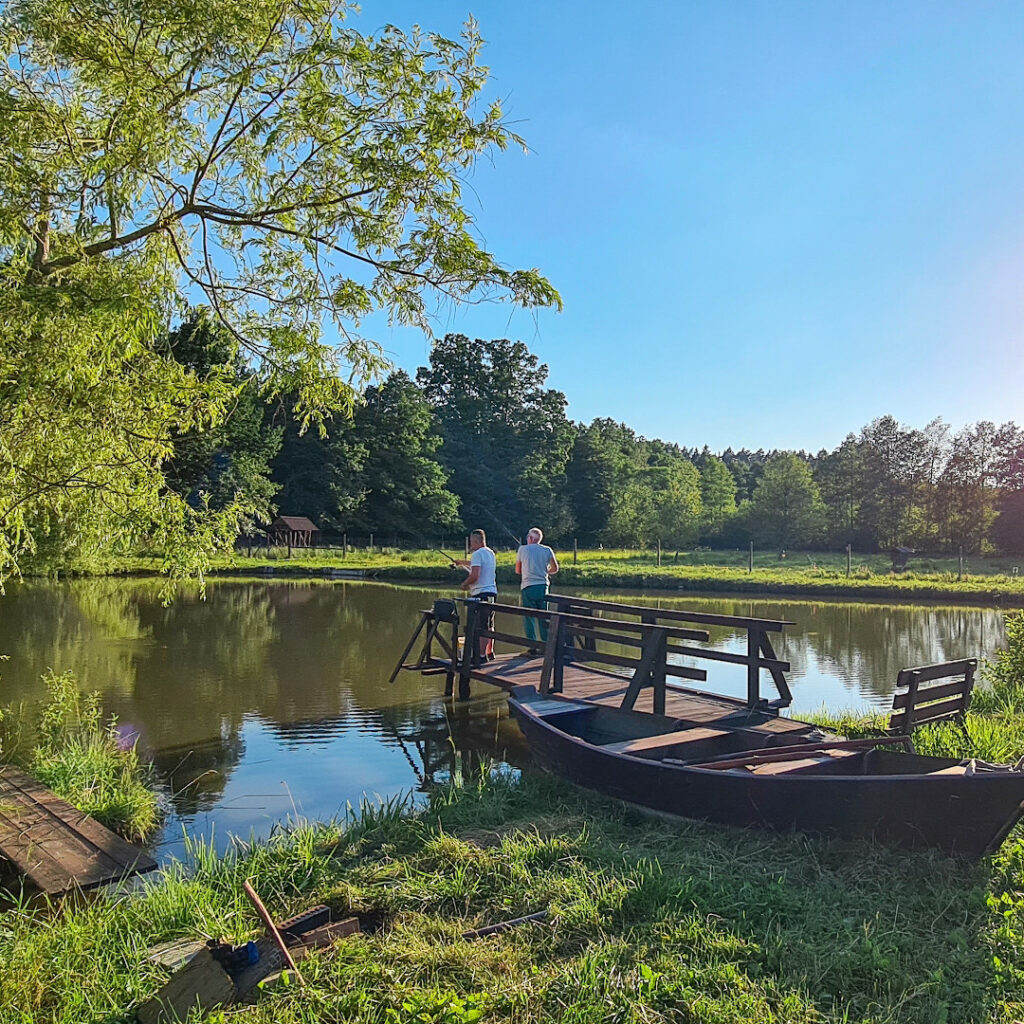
(480, 583)
(536, 563)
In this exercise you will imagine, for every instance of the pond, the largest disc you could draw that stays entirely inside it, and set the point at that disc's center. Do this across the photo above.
(269, 699)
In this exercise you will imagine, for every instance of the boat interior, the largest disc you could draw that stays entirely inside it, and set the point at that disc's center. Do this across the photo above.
(724, 746)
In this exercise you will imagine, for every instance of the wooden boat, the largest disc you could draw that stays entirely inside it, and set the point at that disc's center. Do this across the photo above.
(741, 775)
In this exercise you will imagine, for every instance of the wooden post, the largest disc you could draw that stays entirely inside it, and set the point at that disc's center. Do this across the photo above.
(750, 561)
(659, 552)
(371, 543)
(467, 545)
(658, 675)
(960, 571)
(449, 678)
(849, 558)
(469, 653)
(575, 551)
(753, 667)
(289, 543)
(550, 653)
(344, 545)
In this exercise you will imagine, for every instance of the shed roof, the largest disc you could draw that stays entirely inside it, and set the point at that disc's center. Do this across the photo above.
(298, 523)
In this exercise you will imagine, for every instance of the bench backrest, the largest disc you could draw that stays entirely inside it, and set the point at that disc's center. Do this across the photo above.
(931, 693)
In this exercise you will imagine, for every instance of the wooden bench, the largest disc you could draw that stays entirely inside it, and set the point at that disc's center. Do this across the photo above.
(56, 846)
(663, 740)
(917, 703)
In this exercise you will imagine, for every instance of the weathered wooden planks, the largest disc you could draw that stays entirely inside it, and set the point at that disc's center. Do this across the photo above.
(56, 846)
(582, 682)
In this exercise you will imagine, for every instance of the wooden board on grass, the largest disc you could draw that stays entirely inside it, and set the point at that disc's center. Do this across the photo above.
(57, 847)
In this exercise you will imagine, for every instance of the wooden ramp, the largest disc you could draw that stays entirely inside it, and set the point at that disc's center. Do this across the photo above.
(56, 846)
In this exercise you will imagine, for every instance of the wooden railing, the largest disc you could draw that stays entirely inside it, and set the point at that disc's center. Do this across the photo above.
(650, 667)
(576, 626)
(760, 653)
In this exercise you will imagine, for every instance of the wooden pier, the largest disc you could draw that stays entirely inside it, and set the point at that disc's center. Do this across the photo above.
(605, 652)
(57, 847)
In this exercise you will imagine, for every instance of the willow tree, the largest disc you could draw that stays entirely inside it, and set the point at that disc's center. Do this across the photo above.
(265, 158)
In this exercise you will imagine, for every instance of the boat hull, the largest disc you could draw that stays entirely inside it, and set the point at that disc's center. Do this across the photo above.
(964, 816)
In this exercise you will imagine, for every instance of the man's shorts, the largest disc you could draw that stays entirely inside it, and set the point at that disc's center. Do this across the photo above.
(485, 616)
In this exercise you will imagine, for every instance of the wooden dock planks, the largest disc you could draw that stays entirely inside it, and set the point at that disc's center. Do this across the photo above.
(581, 682)
(56, 846)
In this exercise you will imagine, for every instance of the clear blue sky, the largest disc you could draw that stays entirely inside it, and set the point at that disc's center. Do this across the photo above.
(770, 221)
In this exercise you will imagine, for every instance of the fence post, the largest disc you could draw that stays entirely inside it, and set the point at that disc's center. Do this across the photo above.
(960, 571)
(849, 558)
(344, 545)
(659, 552)
(575, 551)
(750, 560)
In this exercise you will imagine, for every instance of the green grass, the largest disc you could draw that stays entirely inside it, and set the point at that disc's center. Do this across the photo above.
(649, 921)
(820, 574)
(85, 762)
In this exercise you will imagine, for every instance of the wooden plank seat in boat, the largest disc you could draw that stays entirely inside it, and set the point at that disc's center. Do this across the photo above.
(550, 708)
(787, 767)
(666, 739)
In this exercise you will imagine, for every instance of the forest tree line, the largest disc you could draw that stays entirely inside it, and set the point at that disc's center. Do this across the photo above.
(478, 439)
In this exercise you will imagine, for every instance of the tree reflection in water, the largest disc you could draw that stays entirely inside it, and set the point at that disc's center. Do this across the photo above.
(271, 697)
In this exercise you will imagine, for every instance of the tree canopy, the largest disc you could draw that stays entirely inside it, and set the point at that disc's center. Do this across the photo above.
(296, 173)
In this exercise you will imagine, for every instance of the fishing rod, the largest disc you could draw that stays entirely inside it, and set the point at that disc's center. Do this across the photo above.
(446, 555)
(500, 523)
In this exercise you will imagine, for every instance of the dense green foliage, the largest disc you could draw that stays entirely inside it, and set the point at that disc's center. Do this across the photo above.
(511, 459)
(295, 173)
(85, 761)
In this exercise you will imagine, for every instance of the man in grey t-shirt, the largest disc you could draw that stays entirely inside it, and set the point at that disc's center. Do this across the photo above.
(536, 563)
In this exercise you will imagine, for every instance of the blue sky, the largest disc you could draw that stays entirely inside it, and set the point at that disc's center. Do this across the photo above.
(770, 222)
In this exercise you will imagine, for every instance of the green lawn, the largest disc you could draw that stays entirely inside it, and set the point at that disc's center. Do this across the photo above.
(811, 573)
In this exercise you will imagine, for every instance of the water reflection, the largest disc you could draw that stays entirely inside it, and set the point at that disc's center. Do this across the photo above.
(270, 699)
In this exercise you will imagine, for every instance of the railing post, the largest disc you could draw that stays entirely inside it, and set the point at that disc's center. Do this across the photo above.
(468, 648)
(658, 675)
(559, 648)
(550, 649)
(449, 678)
(753, 668)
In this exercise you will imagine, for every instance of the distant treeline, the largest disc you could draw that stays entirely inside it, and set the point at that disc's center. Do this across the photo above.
(477, 439)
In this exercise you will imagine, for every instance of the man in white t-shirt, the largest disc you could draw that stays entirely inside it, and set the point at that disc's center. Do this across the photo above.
(536, 563)
(480, 582)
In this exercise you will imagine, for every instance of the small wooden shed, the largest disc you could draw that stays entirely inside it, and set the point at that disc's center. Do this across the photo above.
(295, 531)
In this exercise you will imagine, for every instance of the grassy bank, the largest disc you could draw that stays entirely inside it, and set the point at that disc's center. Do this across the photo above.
(649, 921)
(811, 574)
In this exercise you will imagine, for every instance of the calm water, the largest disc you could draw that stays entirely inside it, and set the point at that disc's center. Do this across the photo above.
(270, 699)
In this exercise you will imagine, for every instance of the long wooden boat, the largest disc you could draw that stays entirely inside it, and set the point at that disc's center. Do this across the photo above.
(741, 775)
